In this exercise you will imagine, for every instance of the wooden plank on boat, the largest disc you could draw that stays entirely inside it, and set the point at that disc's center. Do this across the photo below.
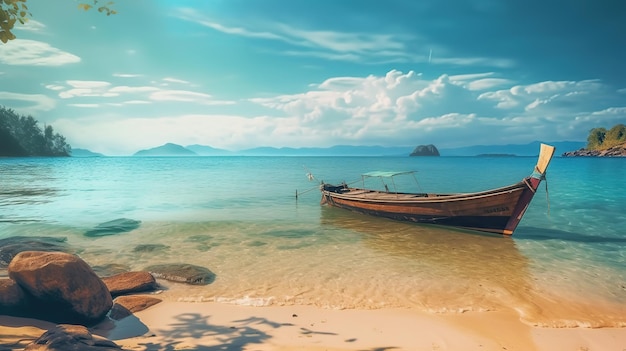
(545, 155)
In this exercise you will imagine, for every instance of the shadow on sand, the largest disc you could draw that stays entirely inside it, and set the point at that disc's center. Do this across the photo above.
(194, 331)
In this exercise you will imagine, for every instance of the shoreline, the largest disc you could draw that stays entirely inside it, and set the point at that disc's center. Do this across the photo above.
(173, 325)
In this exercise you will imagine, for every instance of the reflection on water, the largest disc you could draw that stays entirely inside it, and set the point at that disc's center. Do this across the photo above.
(458, 271)
(470, 271)
(26, 196)
(31, 188)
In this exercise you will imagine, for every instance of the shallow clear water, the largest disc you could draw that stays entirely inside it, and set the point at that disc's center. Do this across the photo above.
(238, 216)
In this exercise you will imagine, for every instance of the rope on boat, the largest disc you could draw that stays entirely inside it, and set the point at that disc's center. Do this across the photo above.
(542, 176)
(306, 191)
(547, 197)
(309, 175)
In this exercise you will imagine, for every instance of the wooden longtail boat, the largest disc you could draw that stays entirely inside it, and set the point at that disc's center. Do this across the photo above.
(494, 211)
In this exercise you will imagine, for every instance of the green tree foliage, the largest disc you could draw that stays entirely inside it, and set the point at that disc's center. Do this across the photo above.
(12, 11)
(615, 136)
(600, 138)
(595, 138)
(21, 136)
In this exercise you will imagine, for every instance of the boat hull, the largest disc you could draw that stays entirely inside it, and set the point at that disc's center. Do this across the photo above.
(496, 211)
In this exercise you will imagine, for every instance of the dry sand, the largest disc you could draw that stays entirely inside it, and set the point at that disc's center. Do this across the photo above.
(215, 326)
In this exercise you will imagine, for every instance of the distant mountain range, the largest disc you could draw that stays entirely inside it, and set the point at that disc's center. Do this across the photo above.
(84, 153)
(170, 149)
(530, 149)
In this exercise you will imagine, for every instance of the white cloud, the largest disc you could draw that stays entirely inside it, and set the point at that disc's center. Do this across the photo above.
(488, 83)
(28, 104)
(126, 75)
(123, 89)
(88, 84)
(31, 26)
(34, 53)
(400, 108)
(174, 80)
(54, 87)
(85, 105)
(86, 88)
(533, 95)
(344, 46)
(186, 96)
(394, 109)
(375, 47)
(475, 61)
(179, 95)
(129, 95)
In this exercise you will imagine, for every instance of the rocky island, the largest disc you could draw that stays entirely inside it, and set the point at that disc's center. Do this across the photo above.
(425, 150)
(603, 143)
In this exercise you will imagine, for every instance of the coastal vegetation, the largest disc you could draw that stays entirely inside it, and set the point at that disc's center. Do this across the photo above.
(602, 139)
(21, 136)
(603, 143)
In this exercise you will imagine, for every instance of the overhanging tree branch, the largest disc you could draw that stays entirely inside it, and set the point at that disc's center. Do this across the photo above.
(13, 11)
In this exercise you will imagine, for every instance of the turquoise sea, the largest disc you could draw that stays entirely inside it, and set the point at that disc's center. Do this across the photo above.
(239, 216)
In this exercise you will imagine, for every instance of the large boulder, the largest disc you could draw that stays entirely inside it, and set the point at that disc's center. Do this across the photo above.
(12, 298)
(11, 246)
(67, 337)
(425, 150)
(62, 287)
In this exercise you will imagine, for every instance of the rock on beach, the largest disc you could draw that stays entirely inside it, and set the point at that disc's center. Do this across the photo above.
(61, 287)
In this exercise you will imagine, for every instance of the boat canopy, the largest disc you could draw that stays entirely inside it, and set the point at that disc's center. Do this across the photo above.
(385, 174)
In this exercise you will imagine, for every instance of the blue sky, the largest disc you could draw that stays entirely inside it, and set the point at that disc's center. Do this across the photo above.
(236, 74)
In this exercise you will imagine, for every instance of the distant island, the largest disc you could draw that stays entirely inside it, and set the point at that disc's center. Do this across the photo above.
(84, 153)
(168, 149)
(425, 150)
(21, 136)
(603, 143)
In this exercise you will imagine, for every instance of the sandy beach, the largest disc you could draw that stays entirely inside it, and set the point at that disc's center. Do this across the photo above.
(217, 326)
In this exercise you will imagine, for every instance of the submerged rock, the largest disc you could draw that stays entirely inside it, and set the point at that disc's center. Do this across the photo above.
(9, 247)
(109, 269)
(116, 226)
(150, 247)
(182, 273)
(61, 287)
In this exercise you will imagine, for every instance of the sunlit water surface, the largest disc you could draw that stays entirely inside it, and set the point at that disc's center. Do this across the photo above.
(239, 217)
